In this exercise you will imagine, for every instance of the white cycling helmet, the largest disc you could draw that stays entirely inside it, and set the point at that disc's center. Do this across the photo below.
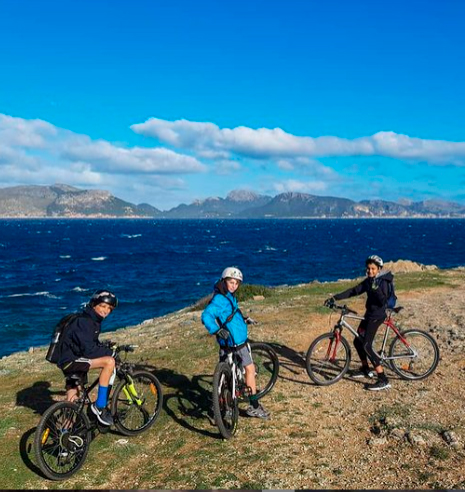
(232, 272)
(376, 260)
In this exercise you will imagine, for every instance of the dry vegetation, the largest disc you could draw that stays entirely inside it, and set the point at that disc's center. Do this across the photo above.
(340, 436)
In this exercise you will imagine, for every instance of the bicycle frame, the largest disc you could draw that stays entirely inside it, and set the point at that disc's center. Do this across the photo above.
(122, 372)
(237, 372)
(388, 323)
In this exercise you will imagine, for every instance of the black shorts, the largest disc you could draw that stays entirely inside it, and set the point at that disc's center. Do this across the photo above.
(76, 372)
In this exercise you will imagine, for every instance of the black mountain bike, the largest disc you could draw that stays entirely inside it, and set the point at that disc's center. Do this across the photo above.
(229, 387)
(66, 429)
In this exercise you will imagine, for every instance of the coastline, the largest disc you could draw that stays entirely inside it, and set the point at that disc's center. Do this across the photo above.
(135, 217)
(397, 267)
(321, 432)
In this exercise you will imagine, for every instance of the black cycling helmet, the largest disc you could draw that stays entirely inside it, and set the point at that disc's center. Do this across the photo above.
(376, 260)
(106, 296)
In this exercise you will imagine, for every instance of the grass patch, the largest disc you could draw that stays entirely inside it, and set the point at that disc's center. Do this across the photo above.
(5, 424)
(395, 411)
(439, 452)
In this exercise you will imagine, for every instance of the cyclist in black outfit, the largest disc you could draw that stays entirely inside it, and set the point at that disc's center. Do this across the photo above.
(375, 285)
(81, 350)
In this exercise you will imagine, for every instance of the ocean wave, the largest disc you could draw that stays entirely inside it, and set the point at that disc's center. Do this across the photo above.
(99, 258)
(130, 236)
(34, 294)
(65, 256)
(79, 289)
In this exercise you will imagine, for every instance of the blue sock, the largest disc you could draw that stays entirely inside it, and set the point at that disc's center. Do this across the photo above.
(102, 397)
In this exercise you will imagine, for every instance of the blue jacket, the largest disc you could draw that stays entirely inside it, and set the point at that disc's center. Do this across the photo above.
(80, 339)
(216, 314)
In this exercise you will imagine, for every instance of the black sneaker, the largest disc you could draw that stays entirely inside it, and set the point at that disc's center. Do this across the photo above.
(381, 384)
(103, 414)
(363, 372)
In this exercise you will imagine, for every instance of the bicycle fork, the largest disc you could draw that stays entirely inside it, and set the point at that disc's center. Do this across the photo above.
(130, 392)
(333, 344)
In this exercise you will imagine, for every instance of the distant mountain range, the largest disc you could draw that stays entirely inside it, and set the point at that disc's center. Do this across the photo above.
(62, 200)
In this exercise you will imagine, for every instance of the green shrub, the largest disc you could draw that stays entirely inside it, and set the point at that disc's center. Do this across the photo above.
(245, 292)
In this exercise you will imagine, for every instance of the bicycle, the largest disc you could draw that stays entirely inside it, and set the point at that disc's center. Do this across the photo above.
(413, 354)
(66, 429)
(230, 389)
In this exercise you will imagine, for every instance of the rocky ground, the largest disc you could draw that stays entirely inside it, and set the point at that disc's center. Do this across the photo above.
(411, 436)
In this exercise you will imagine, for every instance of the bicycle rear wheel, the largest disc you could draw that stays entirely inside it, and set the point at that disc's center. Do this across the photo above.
(266, 367)
(225, 405)
(62, 440)
(327, 359)
(415, 359)
(136, 404)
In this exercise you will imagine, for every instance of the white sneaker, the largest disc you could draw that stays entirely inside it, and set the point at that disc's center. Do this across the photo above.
(258, 412)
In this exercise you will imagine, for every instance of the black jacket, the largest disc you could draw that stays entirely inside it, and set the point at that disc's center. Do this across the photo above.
(377, 291)
(80, 338)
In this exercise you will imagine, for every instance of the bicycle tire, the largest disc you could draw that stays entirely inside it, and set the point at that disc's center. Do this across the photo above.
(266, 364)
(419, 367)
(225, 405)
(62, 440)
(134, 414)
(322, 367)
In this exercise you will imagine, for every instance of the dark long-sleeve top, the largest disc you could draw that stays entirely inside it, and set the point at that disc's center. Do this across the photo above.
(377, 291)
(80, 338)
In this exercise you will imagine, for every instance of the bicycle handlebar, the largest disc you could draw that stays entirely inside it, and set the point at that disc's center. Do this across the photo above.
(342, 307)
(126, 348)
(120, 348)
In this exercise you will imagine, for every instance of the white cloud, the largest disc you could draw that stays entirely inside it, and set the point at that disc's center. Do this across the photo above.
(300, 186)
(105, 157)
(18, 132)
(227, 167)
(37, 152)
(20, 139)
(276, 143)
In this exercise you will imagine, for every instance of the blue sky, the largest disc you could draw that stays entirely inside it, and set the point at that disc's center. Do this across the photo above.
(168, 102)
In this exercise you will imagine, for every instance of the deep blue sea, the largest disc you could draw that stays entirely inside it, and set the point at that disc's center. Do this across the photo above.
(51, 267)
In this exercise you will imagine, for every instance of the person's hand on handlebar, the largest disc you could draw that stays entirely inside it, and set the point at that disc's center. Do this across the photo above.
(223, 333)
(330, 302)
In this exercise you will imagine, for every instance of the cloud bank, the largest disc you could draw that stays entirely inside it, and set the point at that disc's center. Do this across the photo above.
(264, 143)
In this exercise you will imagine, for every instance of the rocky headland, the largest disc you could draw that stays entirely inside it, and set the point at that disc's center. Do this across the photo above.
(411, 436)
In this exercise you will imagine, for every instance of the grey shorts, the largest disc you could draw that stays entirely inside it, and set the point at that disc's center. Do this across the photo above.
(244, 353)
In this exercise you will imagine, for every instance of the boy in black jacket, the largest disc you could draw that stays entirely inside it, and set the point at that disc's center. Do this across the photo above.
(81, 350)
(375, 285)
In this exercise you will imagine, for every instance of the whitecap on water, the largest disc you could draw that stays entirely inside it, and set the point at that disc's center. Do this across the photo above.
(65, 256)
(33, 294)
(99, 258)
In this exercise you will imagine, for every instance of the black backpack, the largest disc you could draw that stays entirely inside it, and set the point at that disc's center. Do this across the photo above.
(54, 350)
(392, 298)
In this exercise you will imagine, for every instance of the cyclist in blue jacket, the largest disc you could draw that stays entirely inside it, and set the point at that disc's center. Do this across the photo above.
(223, 318)
(375, 285)
(81, 350)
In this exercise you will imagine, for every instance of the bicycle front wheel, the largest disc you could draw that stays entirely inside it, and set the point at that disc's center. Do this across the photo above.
(225, 405)
(62, 440)
(266, 367)
(415, 356)
(327, 359)
(136, 403)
